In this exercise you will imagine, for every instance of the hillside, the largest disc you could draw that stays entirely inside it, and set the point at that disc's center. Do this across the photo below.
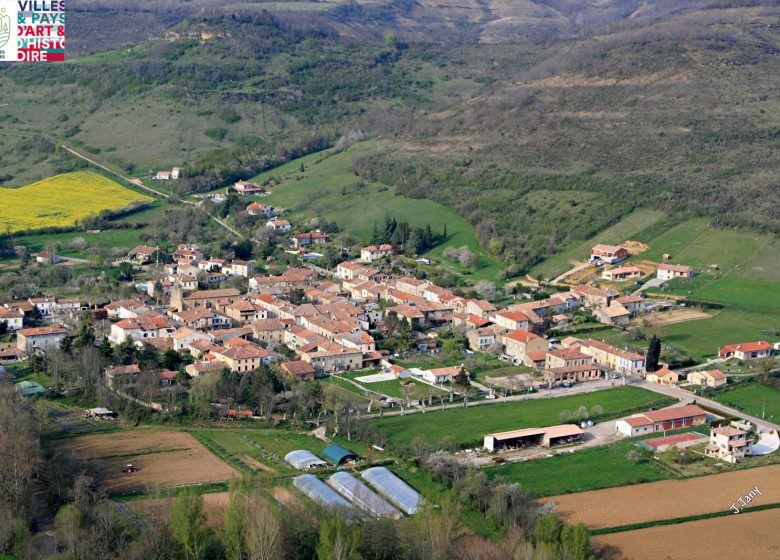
(539, 144)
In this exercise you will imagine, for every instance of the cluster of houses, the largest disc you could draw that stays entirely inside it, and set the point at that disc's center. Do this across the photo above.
(602, 254)
(729, 443)
(329, 328)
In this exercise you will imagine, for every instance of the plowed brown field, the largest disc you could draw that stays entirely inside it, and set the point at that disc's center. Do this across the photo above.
(743, 536)
(668, 499)
(164, 458)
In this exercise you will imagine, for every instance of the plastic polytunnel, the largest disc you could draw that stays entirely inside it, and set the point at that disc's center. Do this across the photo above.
(393, 488)
(321, 493)
(362, 497)
(302, 459)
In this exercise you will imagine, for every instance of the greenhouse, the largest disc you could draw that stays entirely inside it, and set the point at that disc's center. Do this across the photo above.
(319, 492)
(362, 496)
(302, 459)
(393, 488)
(337, 454)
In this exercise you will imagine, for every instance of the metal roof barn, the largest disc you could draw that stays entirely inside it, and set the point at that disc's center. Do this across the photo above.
(362, 496)
(400, 494)
(319, 492)
(337, 454)
(302, 459)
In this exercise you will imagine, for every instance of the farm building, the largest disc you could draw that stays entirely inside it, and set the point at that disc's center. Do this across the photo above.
(661, 420)
(400, 494)
(100, 413)
(319, 492)
(337, 454)
(362, 496)
(303, 460)
(547, 437)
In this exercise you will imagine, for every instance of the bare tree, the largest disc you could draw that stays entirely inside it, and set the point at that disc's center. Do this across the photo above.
(262, 529)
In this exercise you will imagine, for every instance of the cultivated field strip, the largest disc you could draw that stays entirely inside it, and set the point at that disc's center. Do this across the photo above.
(745, 536)
(667, 499)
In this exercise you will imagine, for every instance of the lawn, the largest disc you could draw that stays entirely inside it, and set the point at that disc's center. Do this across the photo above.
(327, 189)
(589, 469)
(674, 239)
(726, 248)
(740, 291)
(701, 338)
(750, 398)
(627, 228)
(122, 238)
(467, 426)
(62, 200)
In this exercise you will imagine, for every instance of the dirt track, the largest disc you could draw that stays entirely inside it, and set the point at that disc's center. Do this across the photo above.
(745, 536)
(671, 317)
(667, 499)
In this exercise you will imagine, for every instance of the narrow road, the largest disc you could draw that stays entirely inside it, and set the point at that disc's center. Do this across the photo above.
(136, 182)
(577, 267)
(763, 425)
(140, 185)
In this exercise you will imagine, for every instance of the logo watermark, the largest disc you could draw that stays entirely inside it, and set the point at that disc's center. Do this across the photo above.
(743, 501)
(32, 30)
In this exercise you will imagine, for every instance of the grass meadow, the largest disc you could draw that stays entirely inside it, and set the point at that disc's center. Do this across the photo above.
(588, 469)
(327, 189)
(754, 399)
(467, 426)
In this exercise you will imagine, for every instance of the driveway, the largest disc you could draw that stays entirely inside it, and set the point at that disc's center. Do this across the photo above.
(652, 283)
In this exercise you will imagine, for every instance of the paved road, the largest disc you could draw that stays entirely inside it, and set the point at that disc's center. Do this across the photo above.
(763, 425)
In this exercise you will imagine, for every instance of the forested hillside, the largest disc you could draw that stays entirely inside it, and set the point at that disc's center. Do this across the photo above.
(540, 135)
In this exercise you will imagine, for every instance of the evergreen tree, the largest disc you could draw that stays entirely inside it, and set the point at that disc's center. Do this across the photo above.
(66, 345)
(653, 354)
(105, 348)
(85, 336)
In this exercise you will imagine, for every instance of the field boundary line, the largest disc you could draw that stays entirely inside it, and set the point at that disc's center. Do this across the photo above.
(678, 520)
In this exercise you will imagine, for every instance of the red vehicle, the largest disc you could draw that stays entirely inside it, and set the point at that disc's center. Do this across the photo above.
(129, 468)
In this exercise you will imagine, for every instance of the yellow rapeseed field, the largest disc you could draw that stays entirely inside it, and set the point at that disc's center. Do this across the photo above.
(61, 201)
